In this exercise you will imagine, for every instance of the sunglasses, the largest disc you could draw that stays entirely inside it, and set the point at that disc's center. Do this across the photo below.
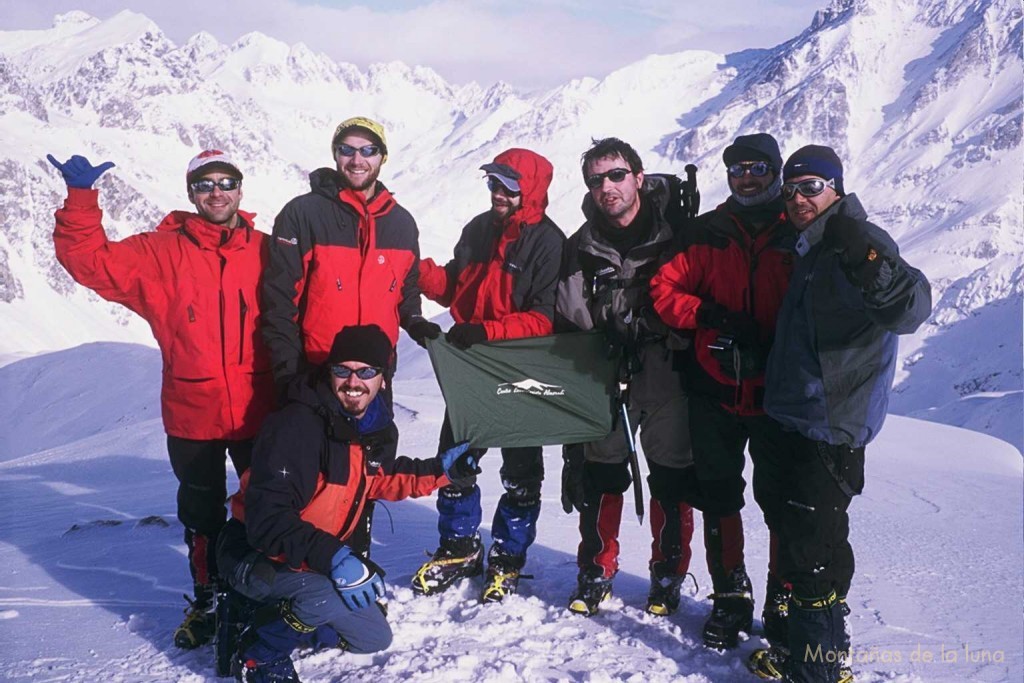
(616, 175)
(758, 169)
(366, 151)
(495, 185)
(811, 187)
(205, 186)
(344, 372)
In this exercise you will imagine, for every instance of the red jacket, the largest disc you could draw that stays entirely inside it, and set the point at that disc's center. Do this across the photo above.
(196, 285)
(504, 275)
(718, 261)
(336, 260)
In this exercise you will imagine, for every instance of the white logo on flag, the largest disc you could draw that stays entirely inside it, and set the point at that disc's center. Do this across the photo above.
(530, 386)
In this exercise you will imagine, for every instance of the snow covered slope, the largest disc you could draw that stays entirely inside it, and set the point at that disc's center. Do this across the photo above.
(921, 97)
(92, 584)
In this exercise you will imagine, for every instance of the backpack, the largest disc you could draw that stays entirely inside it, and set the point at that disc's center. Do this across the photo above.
(683, 196)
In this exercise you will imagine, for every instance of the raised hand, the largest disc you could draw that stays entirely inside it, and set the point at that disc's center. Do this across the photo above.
(78, 172)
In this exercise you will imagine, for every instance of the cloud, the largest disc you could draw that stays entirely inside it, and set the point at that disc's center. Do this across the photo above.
(527, 43)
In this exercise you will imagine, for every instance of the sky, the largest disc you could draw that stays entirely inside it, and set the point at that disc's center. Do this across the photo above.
(529, 43)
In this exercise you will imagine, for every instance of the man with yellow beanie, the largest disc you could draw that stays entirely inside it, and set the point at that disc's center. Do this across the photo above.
(345, 253)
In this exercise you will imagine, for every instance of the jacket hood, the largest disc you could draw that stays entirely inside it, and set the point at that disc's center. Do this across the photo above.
(313, 390)
(327, 182)
(201, 231)
(535, 173)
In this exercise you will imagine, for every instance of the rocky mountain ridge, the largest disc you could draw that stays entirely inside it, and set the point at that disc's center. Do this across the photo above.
(922, 98)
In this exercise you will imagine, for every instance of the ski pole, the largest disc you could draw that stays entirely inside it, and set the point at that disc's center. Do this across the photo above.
(634, 462)
(691, 195)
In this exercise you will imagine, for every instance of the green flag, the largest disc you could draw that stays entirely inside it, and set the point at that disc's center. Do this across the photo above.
(536, 391)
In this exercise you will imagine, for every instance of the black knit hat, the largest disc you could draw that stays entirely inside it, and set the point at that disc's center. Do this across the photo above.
(362, 344)
(815, 160)
(755, 147)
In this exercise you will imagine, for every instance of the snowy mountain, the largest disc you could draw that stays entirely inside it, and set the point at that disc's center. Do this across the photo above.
(922, 98)
(94, 564)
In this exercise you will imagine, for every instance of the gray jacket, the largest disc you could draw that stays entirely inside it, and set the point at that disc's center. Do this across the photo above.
(831, 367)
(600, 288)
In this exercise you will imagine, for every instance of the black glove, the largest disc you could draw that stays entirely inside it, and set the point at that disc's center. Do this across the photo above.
(422, 330)
(572, 477)
(859, 260)
(461, 463)
(78, 172)
(464, 335)
(737, 324)
(738, 361)
(651, 323)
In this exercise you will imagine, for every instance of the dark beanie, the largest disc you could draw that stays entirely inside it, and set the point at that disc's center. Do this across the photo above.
(362, 344)
(756, 147)
(815, 160)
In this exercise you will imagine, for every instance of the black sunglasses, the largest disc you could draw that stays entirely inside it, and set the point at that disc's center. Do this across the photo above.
(344, 372)
(366, 151)
(495, 185)
(811, 187)
(758, 169)
(205, 186)
(616, 175)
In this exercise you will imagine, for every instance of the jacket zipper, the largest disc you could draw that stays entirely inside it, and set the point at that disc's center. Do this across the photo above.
(364, 248)
(243, 308)
(360, 490)
(191, 314)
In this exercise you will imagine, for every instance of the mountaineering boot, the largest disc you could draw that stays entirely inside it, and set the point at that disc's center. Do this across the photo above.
(200, 621)
(503, 574)
(768, 663)
(775, 613)
(456, 558)
(590, 593)
(280, 670)
(819, 640)
(733, 611)
(663, 598)
(266, 643)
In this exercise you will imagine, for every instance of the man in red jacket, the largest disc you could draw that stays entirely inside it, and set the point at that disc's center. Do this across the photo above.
(195, 281)
(344, 253)
(500, 284)
(726, 282)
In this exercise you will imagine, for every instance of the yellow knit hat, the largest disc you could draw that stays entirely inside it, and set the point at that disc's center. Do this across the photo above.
(369, 125)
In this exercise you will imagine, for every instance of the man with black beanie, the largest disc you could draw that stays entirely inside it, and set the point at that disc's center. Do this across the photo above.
(726, 282)
(316, 464)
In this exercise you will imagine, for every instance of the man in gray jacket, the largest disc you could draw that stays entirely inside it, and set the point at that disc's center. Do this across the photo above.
(605, 284)
(828, 380)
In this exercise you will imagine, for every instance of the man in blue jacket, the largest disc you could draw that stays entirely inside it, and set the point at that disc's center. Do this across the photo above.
(827, 383)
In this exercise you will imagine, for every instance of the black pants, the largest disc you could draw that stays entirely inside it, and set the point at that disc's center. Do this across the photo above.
(719, 439)
(202, 491)
(815, 554)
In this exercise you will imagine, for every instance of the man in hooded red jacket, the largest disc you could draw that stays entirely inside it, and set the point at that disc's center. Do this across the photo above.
(500, 284)
(195, 281)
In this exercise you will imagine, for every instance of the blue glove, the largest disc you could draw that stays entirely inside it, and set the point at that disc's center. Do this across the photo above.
(358, 583)
(459, 462)
(78, 172)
